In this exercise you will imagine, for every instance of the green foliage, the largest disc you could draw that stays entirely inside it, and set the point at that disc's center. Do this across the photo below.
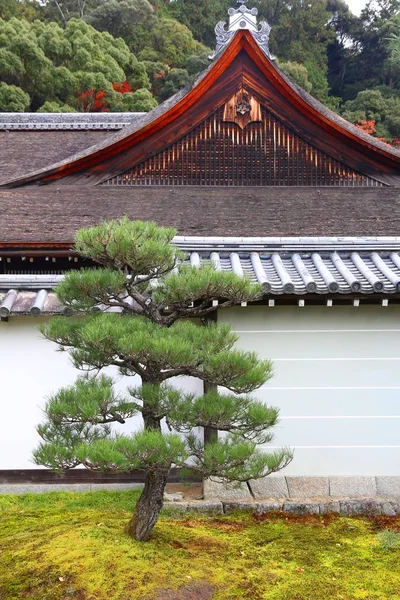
(359, 58)
(389, 540)
(192, 284)
(200, 18)
(28, 9)
(91, 400)
(129, 246)
(53, 107)
(58, 449)
(122, 18)
(139, 345)
(138, 78)
(381, 106)
(234, 458)
(140, 101)
(149, 450)
(174, 42)
(144, 275)
(175, 80)
(298, 73)
(197, 63)
(223, 413)
(57, 65)
(12, 98)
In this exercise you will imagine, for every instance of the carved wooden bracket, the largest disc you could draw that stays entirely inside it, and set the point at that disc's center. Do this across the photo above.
(242, 108)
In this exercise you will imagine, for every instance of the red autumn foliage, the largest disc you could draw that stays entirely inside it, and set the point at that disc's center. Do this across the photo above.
(370, 127)
(93, 101)
(122, 88)
(367, 126)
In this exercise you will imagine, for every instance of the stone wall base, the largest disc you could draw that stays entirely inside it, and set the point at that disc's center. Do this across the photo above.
(305, 487)
(388, 507)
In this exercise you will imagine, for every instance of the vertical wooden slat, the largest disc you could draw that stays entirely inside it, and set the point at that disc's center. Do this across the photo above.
(264, 153)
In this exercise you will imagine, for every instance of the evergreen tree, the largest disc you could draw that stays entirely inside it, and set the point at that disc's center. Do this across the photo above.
(158, 336)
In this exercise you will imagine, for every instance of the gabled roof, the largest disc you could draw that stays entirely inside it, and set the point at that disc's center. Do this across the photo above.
(241, 63)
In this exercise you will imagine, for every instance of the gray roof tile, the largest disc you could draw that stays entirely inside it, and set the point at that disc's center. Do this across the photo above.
(298, 273)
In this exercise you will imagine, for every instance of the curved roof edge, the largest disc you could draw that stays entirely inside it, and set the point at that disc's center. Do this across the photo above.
(185, 98)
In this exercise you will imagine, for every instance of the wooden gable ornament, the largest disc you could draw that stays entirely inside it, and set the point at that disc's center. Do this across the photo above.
(242, 108)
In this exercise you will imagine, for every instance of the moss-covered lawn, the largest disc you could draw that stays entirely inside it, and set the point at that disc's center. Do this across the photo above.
(71, 546)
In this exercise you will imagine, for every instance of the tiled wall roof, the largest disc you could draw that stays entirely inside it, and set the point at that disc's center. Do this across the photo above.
(294, 273)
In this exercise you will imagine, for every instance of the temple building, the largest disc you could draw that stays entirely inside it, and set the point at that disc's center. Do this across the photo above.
(259, 178)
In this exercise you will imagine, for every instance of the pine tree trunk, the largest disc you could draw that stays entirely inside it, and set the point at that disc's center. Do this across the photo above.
(149, 505)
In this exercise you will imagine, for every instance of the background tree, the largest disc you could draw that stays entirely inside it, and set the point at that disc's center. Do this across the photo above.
(379, 106)
(297, 73)
(58, 65)
(155, 337)
(12, 98)
(131, 20)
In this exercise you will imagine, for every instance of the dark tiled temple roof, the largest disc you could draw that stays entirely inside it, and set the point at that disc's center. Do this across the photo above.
(31, 141)
(302, 273)
(21, 151)
(49, 214)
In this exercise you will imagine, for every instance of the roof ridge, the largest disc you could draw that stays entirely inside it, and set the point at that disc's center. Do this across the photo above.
(67, 121)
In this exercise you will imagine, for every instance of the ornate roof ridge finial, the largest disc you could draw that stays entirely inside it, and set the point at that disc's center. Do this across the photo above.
(242, 18)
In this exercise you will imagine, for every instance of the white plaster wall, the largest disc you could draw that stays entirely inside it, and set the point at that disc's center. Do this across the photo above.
(31, 369)
(336, 382)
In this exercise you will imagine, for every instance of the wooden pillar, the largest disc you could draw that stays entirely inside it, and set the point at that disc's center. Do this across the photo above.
(210, 434)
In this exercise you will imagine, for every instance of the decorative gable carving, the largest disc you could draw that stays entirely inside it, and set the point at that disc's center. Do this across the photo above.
(242, 108)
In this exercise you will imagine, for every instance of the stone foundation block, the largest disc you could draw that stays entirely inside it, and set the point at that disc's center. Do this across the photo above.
(266, 507)
(207, 506)
(222, 491)
(307, 487)
(388, 486)
(178, 497)
(230, 507)
(329, 508)
(352, 486)
(301, 508)
(388, 510)
(173, 508)
(360, 507)
(269, 487)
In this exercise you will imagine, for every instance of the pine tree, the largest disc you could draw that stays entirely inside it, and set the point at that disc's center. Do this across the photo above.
(156, 328)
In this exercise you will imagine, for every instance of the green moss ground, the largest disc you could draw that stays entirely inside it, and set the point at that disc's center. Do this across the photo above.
(71, 546)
